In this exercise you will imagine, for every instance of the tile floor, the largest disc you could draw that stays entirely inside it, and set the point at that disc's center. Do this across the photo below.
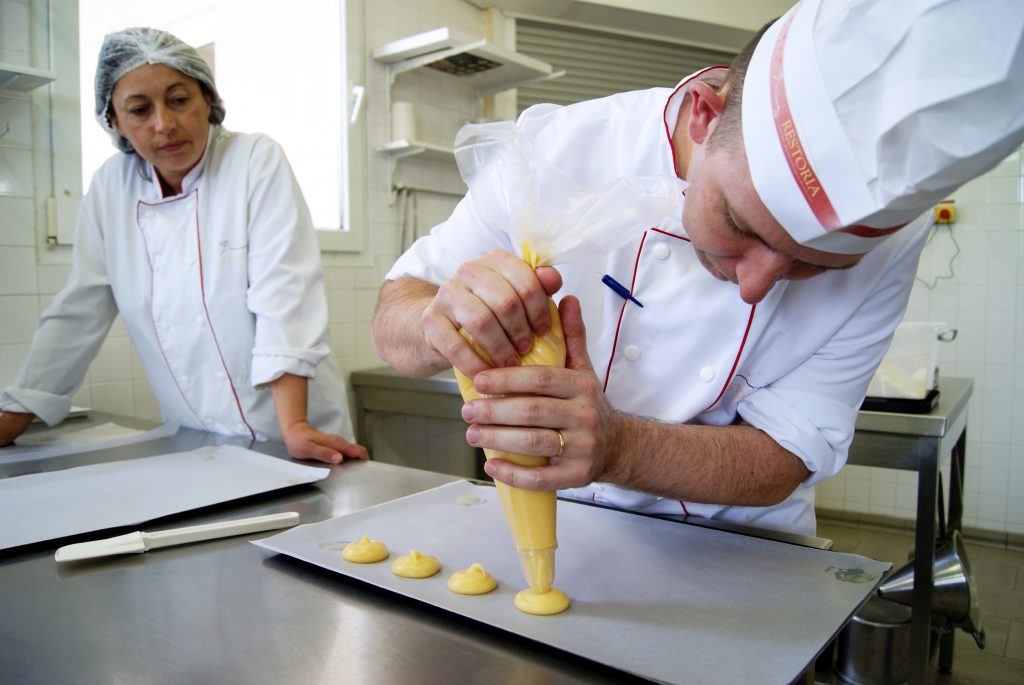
(999, 577)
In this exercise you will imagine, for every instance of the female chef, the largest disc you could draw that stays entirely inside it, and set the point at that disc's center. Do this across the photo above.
(200, 238)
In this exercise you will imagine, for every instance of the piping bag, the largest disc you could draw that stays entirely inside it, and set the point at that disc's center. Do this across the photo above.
(549, 219)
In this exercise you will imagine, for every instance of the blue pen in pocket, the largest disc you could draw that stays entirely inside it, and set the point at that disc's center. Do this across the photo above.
(619, 288)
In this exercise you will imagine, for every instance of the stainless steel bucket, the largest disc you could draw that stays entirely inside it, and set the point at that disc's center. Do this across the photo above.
(874, 648)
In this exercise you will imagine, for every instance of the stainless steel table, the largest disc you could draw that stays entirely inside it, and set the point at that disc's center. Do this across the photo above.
(922, 443)
(913, 442)
(226, 611)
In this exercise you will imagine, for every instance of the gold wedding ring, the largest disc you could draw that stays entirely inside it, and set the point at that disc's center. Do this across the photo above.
(561, 444)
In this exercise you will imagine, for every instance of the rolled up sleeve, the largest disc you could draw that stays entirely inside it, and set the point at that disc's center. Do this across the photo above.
(70, 331)
(816, 429)
(812, 410)
(286, 290)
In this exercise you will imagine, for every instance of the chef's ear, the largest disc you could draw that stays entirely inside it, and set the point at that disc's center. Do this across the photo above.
(706, 104)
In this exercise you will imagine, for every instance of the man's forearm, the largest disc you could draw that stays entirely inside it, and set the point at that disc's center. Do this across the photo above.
(738, 465)
(397, 331)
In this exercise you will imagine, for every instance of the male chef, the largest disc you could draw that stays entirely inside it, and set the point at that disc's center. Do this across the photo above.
(768, 298)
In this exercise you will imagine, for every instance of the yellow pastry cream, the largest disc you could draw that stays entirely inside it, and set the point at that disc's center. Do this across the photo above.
(415, 565)
(530, 513)
(554, 601)
(475, 580)
(365, 551)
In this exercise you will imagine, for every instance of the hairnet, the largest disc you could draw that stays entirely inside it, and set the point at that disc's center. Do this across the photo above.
(132, 48)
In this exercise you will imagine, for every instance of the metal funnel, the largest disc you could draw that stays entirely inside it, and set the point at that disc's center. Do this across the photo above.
(953, 596)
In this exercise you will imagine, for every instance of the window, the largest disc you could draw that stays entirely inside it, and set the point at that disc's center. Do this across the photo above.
(284, 69)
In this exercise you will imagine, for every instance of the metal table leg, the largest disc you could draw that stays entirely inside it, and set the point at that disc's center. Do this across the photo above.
(956, 480)
(924, 560)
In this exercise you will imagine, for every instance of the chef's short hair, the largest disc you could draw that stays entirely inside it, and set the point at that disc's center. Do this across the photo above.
(729, 130)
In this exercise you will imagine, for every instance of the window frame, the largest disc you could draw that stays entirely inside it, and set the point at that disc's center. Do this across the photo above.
(352, 239)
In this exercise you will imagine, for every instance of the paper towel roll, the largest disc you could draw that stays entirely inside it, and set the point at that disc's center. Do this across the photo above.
(403, 121)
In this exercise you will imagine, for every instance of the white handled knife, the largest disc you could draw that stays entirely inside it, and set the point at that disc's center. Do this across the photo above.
(137, 542)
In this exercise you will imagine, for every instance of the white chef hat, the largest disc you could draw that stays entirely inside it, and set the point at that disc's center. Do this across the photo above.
(859, 115)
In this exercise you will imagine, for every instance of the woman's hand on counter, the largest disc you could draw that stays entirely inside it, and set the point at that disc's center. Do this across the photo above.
(13, 424)
(305, 442)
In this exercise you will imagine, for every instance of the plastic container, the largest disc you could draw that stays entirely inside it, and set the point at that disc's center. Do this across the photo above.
(909, 369)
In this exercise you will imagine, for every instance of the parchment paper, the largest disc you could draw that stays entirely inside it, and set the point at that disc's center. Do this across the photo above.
(45, 506)
(46, 444)
(655, 598)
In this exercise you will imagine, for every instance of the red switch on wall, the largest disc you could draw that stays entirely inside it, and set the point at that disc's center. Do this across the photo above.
(945, 212)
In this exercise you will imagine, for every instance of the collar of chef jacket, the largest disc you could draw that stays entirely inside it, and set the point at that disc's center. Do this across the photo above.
(195, 173)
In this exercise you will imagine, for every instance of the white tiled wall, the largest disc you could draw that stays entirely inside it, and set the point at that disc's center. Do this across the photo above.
(984, 300)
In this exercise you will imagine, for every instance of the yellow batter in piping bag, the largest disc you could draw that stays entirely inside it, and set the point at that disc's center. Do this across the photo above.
(552, 216)
(531, 513)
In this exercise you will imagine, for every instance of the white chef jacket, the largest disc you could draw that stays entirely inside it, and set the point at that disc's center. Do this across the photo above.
(795, 365)
(220, 288)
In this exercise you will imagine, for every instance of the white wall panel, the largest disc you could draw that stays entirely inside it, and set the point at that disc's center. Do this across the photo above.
(19, 314)
(17, 225)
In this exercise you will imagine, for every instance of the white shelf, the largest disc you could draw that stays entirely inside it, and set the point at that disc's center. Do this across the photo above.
(483, 67)
(476, 62)
(23, 79)
(427, 151)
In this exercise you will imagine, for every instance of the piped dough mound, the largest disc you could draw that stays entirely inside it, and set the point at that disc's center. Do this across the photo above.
(475, 580)
(554, 601)
(415, 565)
(365, 551)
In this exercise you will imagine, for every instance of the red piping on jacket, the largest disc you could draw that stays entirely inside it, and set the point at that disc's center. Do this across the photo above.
(202, 290)
(615, 341)
(206, 311)
(622, 311)
(152, 316)
(636, 264)
(743, 342)
(672, 150)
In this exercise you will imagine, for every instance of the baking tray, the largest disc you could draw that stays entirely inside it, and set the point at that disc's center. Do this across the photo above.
(655, 598)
